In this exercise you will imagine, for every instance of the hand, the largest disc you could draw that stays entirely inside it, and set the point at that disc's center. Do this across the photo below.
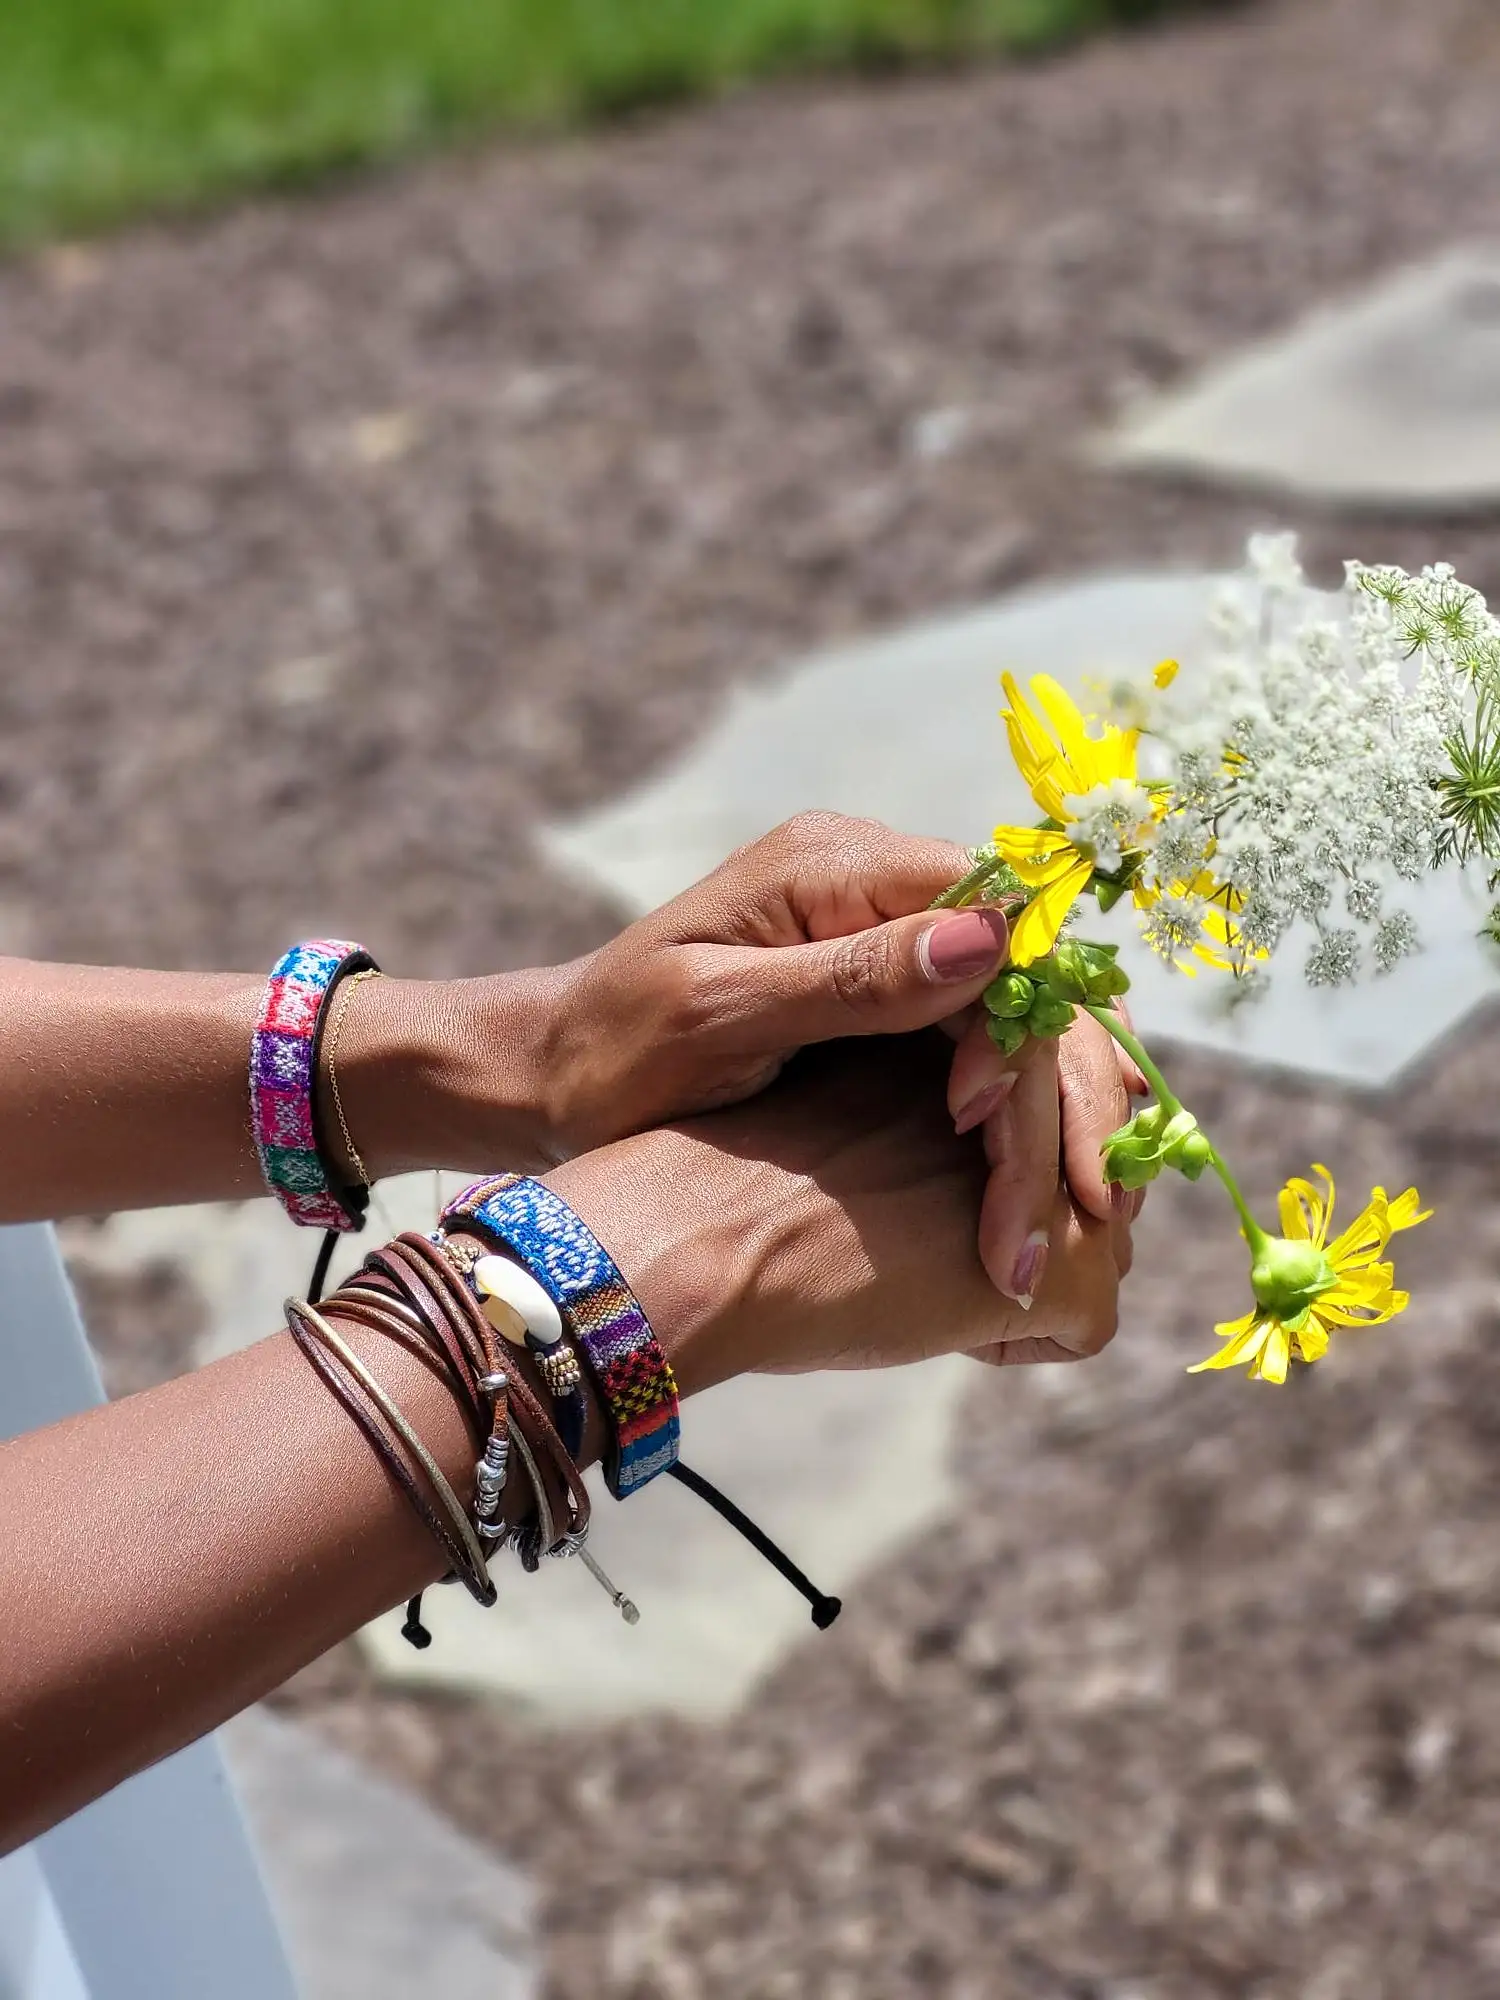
(832, 1223)
(1050, 1099)
(821, 930)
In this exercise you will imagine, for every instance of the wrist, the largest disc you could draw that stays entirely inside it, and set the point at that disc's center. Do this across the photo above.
(683, 1222)
(441, 1073)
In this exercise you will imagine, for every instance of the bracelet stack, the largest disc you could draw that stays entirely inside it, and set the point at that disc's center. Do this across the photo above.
(612, 1335)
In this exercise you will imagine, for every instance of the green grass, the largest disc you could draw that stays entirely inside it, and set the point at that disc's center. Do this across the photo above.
(108, 107)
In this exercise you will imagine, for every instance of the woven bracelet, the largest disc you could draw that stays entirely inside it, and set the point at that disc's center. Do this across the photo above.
(283, 1084)
(600, 1311)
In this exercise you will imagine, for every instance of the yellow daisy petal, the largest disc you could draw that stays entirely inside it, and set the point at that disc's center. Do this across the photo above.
(1274, 1356)
(1024, 846)
(1165, 673)
(1366, 1236)
(1035, 931)
(1312, 1341)
(1246, 1338)
(1406, 1211)
(1036, 755)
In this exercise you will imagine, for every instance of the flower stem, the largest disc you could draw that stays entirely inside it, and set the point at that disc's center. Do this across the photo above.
(1110, 1021)
(987, 868)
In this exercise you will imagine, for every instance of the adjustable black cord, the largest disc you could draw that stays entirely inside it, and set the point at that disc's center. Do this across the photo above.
(320, 1268)
(824, 1609)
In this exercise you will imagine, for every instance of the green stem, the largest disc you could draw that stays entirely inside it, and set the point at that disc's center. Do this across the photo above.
(987, 869)
(1254, 1235)
(1110, 1021)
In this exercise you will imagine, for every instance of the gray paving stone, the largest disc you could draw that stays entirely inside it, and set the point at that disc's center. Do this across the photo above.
(380, 1898)
(905, 728)
(1389, 399)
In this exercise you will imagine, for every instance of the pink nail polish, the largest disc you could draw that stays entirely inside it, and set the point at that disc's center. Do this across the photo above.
(983, 1102)
(960, 947)
(1030, 1265)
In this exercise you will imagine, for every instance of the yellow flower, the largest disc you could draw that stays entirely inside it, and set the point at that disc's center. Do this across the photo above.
(1306, 1286)
(1069, 773)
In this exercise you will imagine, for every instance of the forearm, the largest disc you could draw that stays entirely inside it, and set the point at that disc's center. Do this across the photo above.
(125, 1089)
(170, 1558)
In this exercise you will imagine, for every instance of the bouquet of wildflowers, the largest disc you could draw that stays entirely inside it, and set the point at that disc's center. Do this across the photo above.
(1331, 756)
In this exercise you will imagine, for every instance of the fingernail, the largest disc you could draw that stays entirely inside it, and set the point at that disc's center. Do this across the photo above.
(1121, 1199)
(964, 945)
(1030, 1265)
(983, 1102)
(1135, 1084)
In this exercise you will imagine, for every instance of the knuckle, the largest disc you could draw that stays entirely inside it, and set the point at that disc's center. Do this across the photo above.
(863, 968)
(809, 831)
(687, 999)
(1100, 1324)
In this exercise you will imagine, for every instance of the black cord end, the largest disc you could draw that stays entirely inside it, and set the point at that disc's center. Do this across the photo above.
(320, 1269)
(825, 1610)
(414, 1632)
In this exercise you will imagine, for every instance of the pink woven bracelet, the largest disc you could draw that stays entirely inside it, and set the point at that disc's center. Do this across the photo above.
(283, 1080)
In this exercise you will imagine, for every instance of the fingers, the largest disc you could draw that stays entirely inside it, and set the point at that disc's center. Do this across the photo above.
(1022, 1136)
(819, 875)
(1094, 1104)
(1076, 1310)
(888, 980)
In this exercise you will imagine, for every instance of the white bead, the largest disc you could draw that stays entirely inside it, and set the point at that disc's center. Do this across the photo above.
(500, 1282)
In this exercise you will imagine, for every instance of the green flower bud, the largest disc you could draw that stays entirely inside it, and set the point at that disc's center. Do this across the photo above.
(1184, 1147)
(1085, 973)
(1129, 1161)
(1006, 1035)
(1287, 1277)
(1010, 996)
(1191, 1156)
(1049, 1015)
(1150, 1123)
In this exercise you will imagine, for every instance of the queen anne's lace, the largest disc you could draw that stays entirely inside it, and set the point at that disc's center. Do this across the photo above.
(1307, 763)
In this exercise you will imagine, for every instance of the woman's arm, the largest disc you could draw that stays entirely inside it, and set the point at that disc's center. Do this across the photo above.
(126, 1089)
(172, 1557)
(129, 1089)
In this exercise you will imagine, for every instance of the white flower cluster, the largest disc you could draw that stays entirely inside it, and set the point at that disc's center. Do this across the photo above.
(1305, 761)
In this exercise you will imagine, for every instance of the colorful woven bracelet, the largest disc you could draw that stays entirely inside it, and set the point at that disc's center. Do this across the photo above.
(599, 1309)
(283, 1079)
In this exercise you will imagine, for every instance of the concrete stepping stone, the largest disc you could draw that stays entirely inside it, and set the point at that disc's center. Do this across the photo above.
(1390, 399)
(904, 728)
(379, 1897)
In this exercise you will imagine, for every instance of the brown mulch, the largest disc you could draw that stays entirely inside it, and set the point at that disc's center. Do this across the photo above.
(340, 540)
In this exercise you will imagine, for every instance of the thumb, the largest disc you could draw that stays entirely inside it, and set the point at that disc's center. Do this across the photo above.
(892, 978)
